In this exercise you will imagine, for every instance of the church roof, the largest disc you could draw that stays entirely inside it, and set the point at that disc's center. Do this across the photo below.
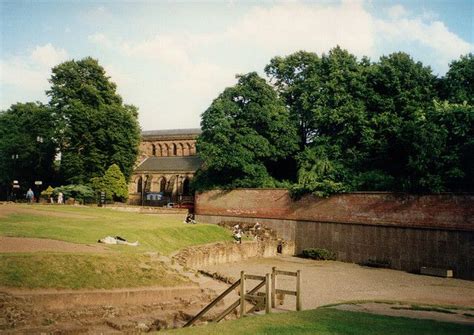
(171, 132)
(170, 164)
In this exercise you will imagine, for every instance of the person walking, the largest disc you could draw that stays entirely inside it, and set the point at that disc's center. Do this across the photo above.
(60, 198)
(30, 196)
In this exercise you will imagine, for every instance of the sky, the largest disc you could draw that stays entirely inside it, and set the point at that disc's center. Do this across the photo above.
(171, 59)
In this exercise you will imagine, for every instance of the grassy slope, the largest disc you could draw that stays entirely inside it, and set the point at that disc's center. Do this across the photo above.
(124, 266)
(161, 233)
(77, 271)
(328, 322)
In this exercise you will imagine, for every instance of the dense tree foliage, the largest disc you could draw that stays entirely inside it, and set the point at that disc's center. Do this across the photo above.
(86, 123)
(113, 183)
(27, 146)
(94, 128)
(360, 125)
(246, 137)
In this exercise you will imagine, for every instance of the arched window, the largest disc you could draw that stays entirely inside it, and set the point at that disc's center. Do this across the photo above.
(175, 151)
(139, 185)
(186, 190)
(163, 184)
(153, 150)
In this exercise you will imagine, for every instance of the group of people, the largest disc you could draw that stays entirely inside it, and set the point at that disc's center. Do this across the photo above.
(30, 197)
(237, 232)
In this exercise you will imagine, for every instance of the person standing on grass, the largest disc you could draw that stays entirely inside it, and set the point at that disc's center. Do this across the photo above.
(60, 198)
(30, 196)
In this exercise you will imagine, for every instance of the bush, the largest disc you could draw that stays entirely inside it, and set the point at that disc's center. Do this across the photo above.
(46, 194)
(377, 263)
(113, 183)
(319, 254)
(82, 193)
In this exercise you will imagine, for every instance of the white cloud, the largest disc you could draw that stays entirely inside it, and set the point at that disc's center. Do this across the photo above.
(29, 74)
(47, 55)
(397, 11)
(101, 39)
(17, 72)
(441, 44)
(169, 49)
(289, 27)
(200, 65)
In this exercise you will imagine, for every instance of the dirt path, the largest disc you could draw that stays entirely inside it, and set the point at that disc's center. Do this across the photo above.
(24, 244)
(336, 282)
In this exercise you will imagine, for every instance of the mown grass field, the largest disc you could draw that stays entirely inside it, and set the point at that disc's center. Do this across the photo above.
(161, 233)
(327, 321)
(123, 266)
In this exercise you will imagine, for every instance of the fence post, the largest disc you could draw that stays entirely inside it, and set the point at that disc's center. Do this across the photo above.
(268, 295)
(274, 287)
(242, 294)
(298, 290)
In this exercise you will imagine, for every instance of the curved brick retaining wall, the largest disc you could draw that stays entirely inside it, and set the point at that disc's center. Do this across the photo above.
(408, 231)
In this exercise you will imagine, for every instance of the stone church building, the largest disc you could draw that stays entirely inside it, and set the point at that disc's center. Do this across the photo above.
(166, 164)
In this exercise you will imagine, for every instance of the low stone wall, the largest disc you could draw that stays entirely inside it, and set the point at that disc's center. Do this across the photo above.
(197, 257)
(150, 210)
(404, 231)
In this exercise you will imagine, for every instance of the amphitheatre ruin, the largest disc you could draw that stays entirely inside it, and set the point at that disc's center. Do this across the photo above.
(390, 252)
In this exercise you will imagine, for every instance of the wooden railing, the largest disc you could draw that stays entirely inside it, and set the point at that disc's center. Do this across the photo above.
(266, 300)
(213, 303)
(276, 291)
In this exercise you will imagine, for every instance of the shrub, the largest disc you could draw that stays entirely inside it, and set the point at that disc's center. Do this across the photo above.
(82, 193)
(46, 194)
(376, 263)
(113, 183)
(318, 253)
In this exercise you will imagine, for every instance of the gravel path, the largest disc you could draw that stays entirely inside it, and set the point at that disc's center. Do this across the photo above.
(328, 282)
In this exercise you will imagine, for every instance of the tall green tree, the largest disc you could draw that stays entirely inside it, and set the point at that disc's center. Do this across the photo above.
(246, 138)
(94, 128)
(27, 144)
(457, 86)
(444, 159)
(400, 93)
(326, 98)
(296, 78)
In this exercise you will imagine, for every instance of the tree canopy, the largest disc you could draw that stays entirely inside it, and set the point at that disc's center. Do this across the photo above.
(358, 125)
(94, 129)
(246, 134)
(85, 124)
(27, 144)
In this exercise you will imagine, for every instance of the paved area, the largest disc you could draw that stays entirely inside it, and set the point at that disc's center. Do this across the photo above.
(329, 282)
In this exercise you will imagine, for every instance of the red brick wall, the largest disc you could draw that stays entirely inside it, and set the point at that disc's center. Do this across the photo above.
(444, 211)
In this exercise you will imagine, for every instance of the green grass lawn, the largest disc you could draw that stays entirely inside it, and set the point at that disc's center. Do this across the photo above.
(327, 321)
(85, 271)
(161, 233)
(124, 266)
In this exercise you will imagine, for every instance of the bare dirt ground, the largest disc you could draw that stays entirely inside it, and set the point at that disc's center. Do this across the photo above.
(330, 282)
(23, 244)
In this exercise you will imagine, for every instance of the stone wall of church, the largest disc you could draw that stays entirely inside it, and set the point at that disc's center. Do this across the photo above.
(167, 148)
(174, 184)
